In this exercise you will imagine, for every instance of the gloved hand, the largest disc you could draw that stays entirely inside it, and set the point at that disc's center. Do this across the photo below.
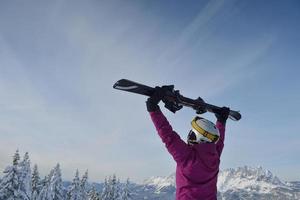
(155, 98)
(222, 114)
(199, 109)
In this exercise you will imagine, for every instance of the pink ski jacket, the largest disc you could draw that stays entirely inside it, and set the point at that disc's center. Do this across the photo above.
(197, 166)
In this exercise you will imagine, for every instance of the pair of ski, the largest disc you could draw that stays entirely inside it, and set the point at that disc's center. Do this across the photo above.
(173, 99)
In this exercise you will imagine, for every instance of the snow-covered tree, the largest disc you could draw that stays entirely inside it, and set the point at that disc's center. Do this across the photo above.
(45, 187)
(10, 184)
(105, 190)
(83, 185)
(16, 158)
(117, 187)
(35, 183)
(74, 192)
(125, 195)
(93, 194)
(56, 187)
(19, 184)
(111, 190)
(25, 176)
(52, 186)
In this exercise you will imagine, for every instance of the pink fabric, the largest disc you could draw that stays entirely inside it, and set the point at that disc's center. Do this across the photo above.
(197, 166)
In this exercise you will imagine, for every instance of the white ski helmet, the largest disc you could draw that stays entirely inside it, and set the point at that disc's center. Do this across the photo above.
(203, 131)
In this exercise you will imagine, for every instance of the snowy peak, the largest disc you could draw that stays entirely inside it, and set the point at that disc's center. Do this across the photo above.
(258, 174)
(160, 183)
(248, 178)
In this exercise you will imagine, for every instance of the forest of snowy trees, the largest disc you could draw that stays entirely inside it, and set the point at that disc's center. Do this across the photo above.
(20, 182)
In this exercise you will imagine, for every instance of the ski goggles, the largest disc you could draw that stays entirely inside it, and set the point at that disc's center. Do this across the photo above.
(192, 138)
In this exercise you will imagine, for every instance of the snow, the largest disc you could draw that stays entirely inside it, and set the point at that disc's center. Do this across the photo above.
(161, 182)
(251, 179)
(16, 183)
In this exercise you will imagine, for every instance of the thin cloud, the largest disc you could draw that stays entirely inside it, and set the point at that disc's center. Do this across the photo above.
(197, 28)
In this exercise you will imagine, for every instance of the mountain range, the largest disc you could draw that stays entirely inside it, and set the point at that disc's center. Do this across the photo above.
(233, 184)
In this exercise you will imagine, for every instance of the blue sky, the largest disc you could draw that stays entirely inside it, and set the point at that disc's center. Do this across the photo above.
(59, 60)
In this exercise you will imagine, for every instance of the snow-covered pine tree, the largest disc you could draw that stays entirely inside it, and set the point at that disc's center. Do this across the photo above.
(105, 190)
(74, 191)
(52, 186)
(35, 183)
(25, 176)
(10, 185)
(125, 195)
(56, 187)
(93, 194)
(117, 188)
(84, 185)
(45, 187)
(111, 189)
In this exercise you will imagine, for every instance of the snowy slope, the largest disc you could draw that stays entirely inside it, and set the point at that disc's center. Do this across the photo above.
(160, 183)
(162, 188)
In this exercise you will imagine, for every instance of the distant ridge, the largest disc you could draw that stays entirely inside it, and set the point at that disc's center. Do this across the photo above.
(240, 183)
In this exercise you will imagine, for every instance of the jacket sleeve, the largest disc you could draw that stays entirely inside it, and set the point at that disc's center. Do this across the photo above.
(174, 144)
(220, 143)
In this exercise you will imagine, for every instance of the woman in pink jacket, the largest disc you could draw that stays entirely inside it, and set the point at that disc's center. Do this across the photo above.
(197, 160)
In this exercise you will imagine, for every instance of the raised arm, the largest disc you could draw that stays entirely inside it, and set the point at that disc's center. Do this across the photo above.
(222, 117)
(174, 144)
(220, 144)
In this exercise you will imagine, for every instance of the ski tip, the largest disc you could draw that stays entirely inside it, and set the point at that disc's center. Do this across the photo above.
(235, 115)
(118, 83)
(239, 116)
(115, 84)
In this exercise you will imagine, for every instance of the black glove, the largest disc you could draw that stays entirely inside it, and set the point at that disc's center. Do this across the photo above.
(222, 114)
(201, 110)
(155, 98)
